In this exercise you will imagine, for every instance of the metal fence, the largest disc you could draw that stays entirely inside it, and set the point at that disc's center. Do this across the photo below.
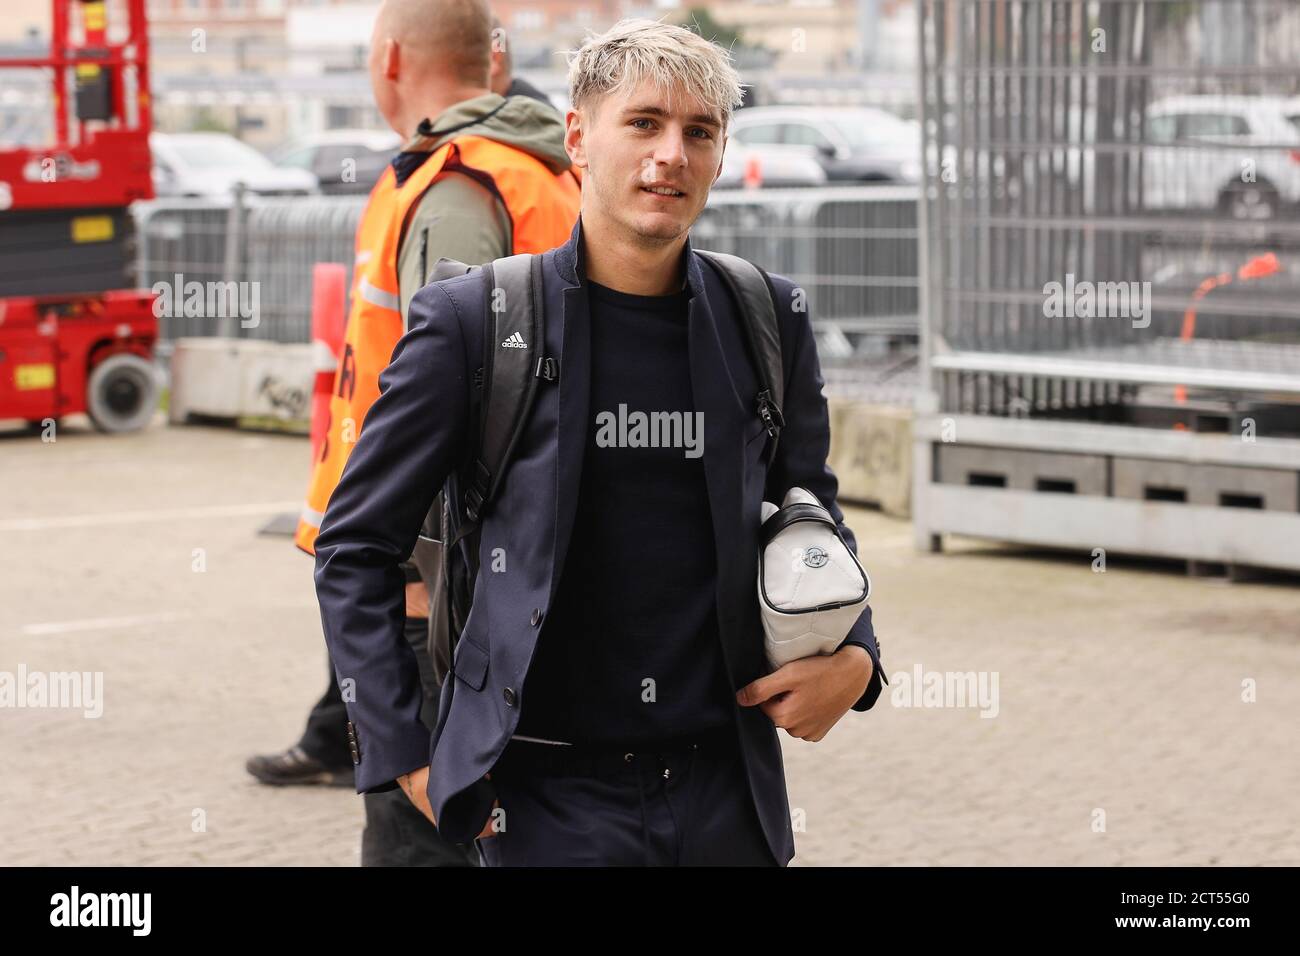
(854, 250)
(1111, 203)
(1110, 292)
(270, 244)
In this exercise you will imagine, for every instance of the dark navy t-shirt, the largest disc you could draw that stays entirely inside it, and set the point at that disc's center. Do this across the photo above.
(630, 651)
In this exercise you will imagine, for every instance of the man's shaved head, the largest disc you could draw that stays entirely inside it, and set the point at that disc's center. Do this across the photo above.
(453, 37)
(426, 56)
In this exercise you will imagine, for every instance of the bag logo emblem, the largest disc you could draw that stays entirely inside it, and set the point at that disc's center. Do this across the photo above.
(815, 557)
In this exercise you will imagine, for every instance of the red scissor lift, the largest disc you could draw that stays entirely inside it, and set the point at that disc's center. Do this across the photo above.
(75, 333)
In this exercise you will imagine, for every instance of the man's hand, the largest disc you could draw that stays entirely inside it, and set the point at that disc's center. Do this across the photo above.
(807, 697)
(417, 599)
(415, 785)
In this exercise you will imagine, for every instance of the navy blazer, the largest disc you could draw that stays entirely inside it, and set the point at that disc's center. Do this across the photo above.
(415, 435)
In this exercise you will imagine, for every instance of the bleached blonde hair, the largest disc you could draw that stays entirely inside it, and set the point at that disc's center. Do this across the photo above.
(635, 50)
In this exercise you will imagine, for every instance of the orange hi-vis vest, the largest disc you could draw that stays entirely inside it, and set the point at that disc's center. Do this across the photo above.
(543, 207)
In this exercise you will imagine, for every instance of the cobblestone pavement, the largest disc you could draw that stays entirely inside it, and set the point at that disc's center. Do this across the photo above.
(1121, 735)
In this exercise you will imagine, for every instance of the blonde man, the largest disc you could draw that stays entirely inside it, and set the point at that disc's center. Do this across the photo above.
(610, 704)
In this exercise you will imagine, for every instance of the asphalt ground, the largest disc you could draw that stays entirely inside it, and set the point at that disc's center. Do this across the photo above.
(1132, 716)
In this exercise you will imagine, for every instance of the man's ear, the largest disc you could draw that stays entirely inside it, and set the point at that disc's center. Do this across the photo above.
(392, 59)
(722, 158)
(574, 142)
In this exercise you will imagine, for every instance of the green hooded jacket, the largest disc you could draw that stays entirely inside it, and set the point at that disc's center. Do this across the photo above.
(458, 217)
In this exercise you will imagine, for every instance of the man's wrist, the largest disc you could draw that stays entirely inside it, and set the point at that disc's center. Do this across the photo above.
(857, 654)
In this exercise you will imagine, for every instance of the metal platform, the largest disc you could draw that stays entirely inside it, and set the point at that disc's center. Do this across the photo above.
(1176, 494)
(1240, 366)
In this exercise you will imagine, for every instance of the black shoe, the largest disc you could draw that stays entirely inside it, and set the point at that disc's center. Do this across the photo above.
(295, 767)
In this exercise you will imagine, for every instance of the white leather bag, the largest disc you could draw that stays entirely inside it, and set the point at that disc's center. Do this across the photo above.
(811, 586)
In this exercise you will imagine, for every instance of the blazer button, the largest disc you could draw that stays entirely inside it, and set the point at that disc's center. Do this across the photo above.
(352, 744)
(536, 616)
(509, 695)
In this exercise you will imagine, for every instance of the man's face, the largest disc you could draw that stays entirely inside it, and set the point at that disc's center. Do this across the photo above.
(637, 146)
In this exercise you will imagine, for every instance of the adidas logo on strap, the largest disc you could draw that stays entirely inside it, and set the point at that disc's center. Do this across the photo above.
(516, 341)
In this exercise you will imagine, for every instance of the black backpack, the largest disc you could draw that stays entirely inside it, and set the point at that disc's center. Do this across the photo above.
(446, 551)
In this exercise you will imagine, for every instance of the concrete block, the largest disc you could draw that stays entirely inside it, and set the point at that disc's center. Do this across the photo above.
(204, 379)
(233, 378)
(871, 454)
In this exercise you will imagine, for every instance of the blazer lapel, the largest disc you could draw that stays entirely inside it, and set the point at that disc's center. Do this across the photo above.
(575, 394)
(724, 421)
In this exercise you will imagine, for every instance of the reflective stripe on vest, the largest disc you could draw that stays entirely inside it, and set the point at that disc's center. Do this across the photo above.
(543, 207)
(376, 296)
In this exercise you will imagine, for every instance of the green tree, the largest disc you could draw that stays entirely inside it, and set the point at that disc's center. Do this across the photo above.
(205, 120)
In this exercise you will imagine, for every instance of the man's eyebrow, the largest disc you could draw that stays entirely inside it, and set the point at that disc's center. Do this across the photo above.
(660, 111)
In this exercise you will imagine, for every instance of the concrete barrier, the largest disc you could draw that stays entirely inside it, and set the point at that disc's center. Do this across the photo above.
(239, 379)
(871, 454)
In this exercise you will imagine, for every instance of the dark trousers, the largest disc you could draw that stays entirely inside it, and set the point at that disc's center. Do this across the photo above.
(326, 735)
(677, 809)
(396, 833)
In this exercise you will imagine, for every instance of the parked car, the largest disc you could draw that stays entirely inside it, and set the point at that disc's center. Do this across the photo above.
(208, 165)
(851, 144)
(344, 161)
(775, 168)
(1199, 148)
(1292, 110)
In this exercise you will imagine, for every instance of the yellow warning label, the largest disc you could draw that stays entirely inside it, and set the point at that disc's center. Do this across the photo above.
(92, 228)
(87, 71)
(93, 16)
(30, 377)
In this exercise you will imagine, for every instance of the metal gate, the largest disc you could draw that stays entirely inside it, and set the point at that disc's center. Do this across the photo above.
(1111, 275)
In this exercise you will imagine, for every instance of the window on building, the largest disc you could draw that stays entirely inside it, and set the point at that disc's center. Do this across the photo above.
(529, 20)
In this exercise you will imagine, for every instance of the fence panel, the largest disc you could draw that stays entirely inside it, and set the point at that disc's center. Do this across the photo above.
(853, 250)
(277, 244)
(1112, 195)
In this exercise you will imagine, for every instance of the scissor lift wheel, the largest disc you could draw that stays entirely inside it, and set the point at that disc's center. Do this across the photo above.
(122, 393)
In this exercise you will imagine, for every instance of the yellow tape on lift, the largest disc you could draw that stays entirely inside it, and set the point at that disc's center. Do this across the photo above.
(29, 378)
(92, 16)
(92, 228)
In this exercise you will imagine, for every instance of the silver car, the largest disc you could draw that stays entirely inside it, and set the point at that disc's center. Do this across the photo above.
(1240, 154)
(851, 144)
(208, 165)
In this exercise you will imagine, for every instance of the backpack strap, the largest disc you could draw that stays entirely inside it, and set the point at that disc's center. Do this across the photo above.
(751, 288)
(514, 343)
(446, 268)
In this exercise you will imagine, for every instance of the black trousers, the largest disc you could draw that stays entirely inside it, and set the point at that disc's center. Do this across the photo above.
(396, 833)
(674, 809)
(326, 735)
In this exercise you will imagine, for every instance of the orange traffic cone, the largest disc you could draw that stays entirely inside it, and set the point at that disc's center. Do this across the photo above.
(328, 304)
